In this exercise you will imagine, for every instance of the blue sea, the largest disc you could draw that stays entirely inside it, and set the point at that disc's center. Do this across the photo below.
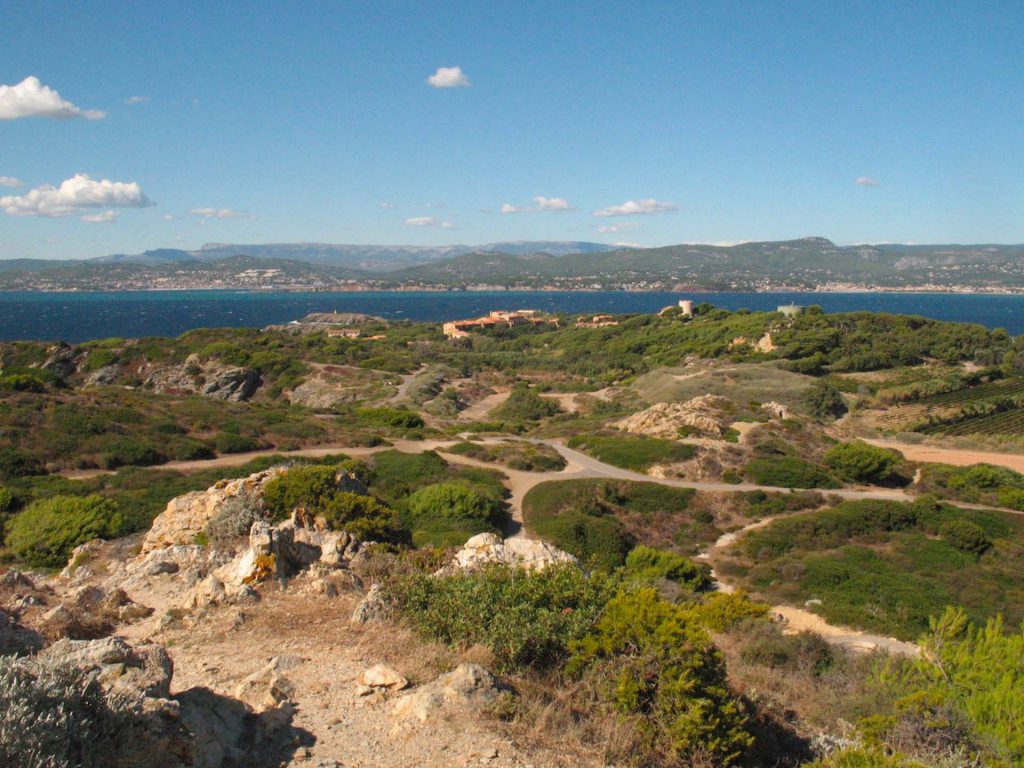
(76, 317)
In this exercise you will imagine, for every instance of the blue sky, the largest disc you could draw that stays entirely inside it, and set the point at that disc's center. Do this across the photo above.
(686, 122)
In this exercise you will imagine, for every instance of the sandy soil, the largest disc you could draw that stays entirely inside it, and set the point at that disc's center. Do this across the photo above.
(955, 456)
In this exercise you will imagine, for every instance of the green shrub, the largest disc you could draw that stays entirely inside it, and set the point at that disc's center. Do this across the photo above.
(15, 463)
(400, 418)
(857, 757)
(6, 499)
(304, 486)
(824, 401)
(447, 514)
(56, 716)
(788, 472)
(526, 618)
(524, 404)
(649, 564)
(634, 453)
(44, 533)
(1012, 498)
(862, 463)
(966, 536)
(597, 539)
(724, 611)
(128, 452)
(22, 382)
(658, 668)
(230, 442)
(765, 645)
(363, 516)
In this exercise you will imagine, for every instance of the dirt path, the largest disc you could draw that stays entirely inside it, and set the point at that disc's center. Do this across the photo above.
(800, 619)
(406, 382)
(478, 411)
(955, 456)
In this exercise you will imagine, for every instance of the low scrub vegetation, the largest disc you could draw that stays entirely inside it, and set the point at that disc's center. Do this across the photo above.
(635, 453)
(514, 454)
(889, 566)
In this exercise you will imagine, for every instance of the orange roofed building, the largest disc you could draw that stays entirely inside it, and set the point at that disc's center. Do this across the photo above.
(460, 329)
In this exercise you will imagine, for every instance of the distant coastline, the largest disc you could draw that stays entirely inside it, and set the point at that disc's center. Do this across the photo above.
(77, 316)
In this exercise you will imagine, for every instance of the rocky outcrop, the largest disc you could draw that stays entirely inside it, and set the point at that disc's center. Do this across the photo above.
(702, 414)
(187, 515)
(193, 729)
(90, 612)
(17, 639)
(210, 378)
(372, 607)
(132, 671)
(62, 360)
(278, 551)
(321, 322)
(487, 548)
(468, 688)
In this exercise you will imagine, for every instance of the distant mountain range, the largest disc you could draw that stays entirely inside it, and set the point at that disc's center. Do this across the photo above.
(808, 263)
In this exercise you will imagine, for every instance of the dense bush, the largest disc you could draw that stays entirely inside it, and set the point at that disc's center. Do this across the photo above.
(764, 644)
(304, 486)
(231, 442)
(400, 418)
(364, 517)
(652, 565)
(966, 536)
(659, 669)
(524, 404)
(449, 513)
(634, 453)
(526, 618)
(596, 539)
(724, 611)
(44, 533)
(788, 472)
(824, 401)
(15, 463)
(56, 716)
(863, 463)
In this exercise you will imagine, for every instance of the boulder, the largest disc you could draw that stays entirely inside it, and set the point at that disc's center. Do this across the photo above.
(469, 687)
(209, 378)
(17, 639)
(372, 607)
(132, 671)
(489, 548)
(379, 677)
(268, 688)
(185, 516)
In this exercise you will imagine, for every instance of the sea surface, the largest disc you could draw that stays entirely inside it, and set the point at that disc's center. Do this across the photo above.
(76, 317)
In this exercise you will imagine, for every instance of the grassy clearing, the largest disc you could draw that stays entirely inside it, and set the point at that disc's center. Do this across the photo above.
(743, 384)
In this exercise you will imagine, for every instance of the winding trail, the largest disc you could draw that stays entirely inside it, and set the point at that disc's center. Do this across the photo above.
(800, 619)
(580, 466)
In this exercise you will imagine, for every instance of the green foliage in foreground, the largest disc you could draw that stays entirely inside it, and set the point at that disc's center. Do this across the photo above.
(56, 716)
(634, 453)
(526, 618)
(44, 533)
(660, 670)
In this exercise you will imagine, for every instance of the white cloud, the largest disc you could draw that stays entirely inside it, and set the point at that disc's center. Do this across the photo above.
(30, 98)
(448, 77)
(107, 217)
(387, 204)
(866, 181)
(636, 207)
(611, 229)
(169, 217)
(429, 221)
(74, 194)
(540, 203)
(131, 101)
(219, 213)
(9, 181)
